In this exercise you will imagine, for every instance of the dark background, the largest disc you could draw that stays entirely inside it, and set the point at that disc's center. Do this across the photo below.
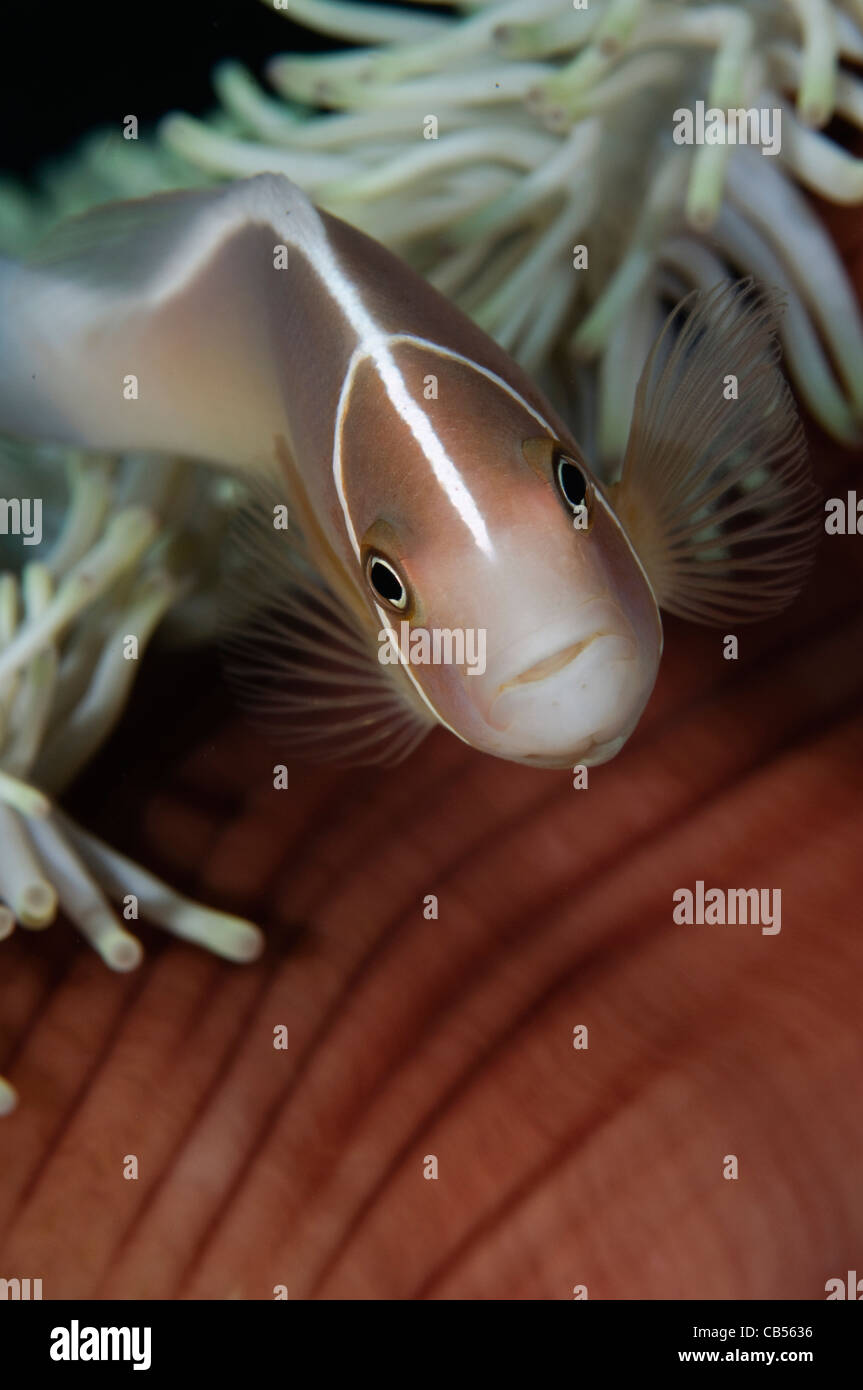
(83, 63)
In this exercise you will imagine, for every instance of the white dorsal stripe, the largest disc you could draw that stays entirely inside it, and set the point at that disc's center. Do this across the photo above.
(374, 344)
(359, 355)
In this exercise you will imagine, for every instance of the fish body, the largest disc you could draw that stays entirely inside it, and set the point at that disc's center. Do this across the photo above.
(430, 486)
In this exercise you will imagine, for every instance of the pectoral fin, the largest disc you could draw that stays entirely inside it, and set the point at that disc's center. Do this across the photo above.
(716, 492)
(300, 653)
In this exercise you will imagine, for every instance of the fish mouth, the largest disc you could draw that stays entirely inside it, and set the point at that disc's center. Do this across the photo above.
(572, 689)
(550, 665)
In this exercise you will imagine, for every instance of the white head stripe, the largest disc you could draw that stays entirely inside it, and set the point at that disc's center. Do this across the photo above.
(358, 356)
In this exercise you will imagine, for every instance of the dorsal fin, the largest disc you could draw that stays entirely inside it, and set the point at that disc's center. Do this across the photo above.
(149, 324)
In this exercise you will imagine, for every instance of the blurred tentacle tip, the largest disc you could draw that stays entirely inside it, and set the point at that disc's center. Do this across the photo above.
(8, 1097)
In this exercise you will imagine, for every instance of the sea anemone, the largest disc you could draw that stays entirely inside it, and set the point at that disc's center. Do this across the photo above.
(484, 147)
(73, 627)
(521, 154)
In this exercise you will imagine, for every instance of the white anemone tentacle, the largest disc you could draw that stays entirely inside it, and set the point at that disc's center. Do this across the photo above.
(65, 678)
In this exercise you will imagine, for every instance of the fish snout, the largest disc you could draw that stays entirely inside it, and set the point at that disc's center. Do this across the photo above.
(577, 702)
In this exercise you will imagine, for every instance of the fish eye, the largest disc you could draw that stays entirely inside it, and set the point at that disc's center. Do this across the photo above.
(572, 483)
(385, 581)
(565, 472)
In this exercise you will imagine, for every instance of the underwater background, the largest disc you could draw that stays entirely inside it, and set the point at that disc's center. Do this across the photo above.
(449, 1036)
